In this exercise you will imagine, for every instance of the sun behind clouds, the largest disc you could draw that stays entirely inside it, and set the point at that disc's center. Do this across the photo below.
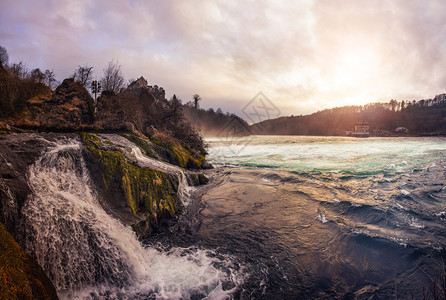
(354, 65)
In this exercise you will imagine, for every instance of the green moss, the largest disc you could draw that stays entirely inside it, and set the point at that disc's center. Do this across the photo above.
(141, 143)
(185, 158)
(20, 276)
(145, 190)
(13, 282)
(108, 142)
(182, 156)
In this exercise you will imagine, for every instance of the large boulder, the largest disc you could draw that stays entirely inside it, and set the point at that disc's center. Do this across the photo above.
(70, 107)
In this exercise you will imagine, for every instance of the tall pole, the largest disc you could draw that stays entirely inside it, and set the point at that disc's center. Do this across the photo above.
(95, 88)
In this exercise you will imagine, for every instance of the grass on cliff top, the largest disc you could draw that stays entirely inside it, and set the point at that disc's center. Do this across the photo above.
(145, 190)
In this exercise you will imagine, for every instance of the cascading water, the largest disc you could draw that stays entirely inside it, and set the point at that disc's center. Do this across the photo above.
(87, 253)
(146, 162)
(183, 188)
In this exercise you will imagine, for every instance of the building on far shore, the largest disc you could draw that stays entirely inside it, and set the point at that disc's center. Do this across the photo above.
(401, 130)
(361, 129)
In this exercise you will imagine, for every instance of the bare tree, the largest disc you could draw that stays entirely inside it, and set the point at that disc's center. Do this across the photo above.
(130, 81)
(37, 76)
(113, 79)
(4, 57)
(19, 70)
(197, 99)
(83, 75)
(50, 79)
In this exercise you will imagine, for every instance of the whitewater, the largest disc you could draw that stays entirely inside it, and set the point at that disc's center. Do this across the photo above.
(282, 217)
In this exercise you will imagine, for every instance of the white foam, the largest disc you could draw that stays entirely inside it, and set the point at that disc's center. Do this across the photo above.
(404, 192)
(74, 240)
(321, 217)
(414, 222)
(402, 207)
(441, 214)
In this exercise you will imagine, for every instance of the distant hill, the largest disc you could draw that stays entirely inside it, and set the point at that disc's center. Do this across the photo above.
(423, 117)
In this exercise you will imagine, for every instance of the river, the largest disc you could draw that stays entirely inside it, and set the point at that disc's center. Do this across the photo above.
(326, 217)
(281, 218)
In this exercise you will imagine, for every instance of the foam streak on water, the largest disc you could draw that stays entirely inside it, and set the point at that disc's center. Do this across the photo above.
(86, 252)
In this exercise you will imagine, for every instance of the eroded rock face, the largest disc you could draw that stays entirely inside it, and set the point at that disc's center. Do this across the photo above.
(140, 83)
(70, 107)
(17, 153)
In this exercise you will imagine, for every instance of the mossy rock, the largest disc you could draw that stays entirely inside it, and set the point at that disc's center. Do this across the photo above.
(164, 147)
(20, 275)
(147, 192)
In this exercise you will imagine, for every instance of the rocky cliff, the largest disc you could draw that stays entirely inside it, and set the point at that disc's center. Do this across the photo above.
(131, 176)
(139, 176)
(69, 108)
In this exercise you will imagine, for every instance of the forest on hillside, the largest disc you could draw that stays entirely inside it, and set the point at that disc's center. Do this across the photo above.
(215, 123)
(423, 117)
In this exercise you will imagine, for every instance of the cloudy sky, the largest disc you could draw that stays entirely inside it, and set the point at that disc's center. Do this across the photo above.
(303, 55)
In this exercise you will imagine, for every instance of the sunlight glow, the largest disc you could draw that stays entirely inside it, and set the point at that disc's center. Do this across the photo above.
(353, 66)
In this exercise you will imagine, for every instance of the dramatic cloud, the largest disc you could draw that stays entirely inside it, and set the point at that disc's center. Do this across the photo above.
(303, 55)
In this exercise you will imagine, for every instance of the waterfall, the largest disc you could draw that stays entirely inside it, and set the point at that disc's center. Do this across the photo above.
(8, 207)
(183, 187)
(89, 254)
